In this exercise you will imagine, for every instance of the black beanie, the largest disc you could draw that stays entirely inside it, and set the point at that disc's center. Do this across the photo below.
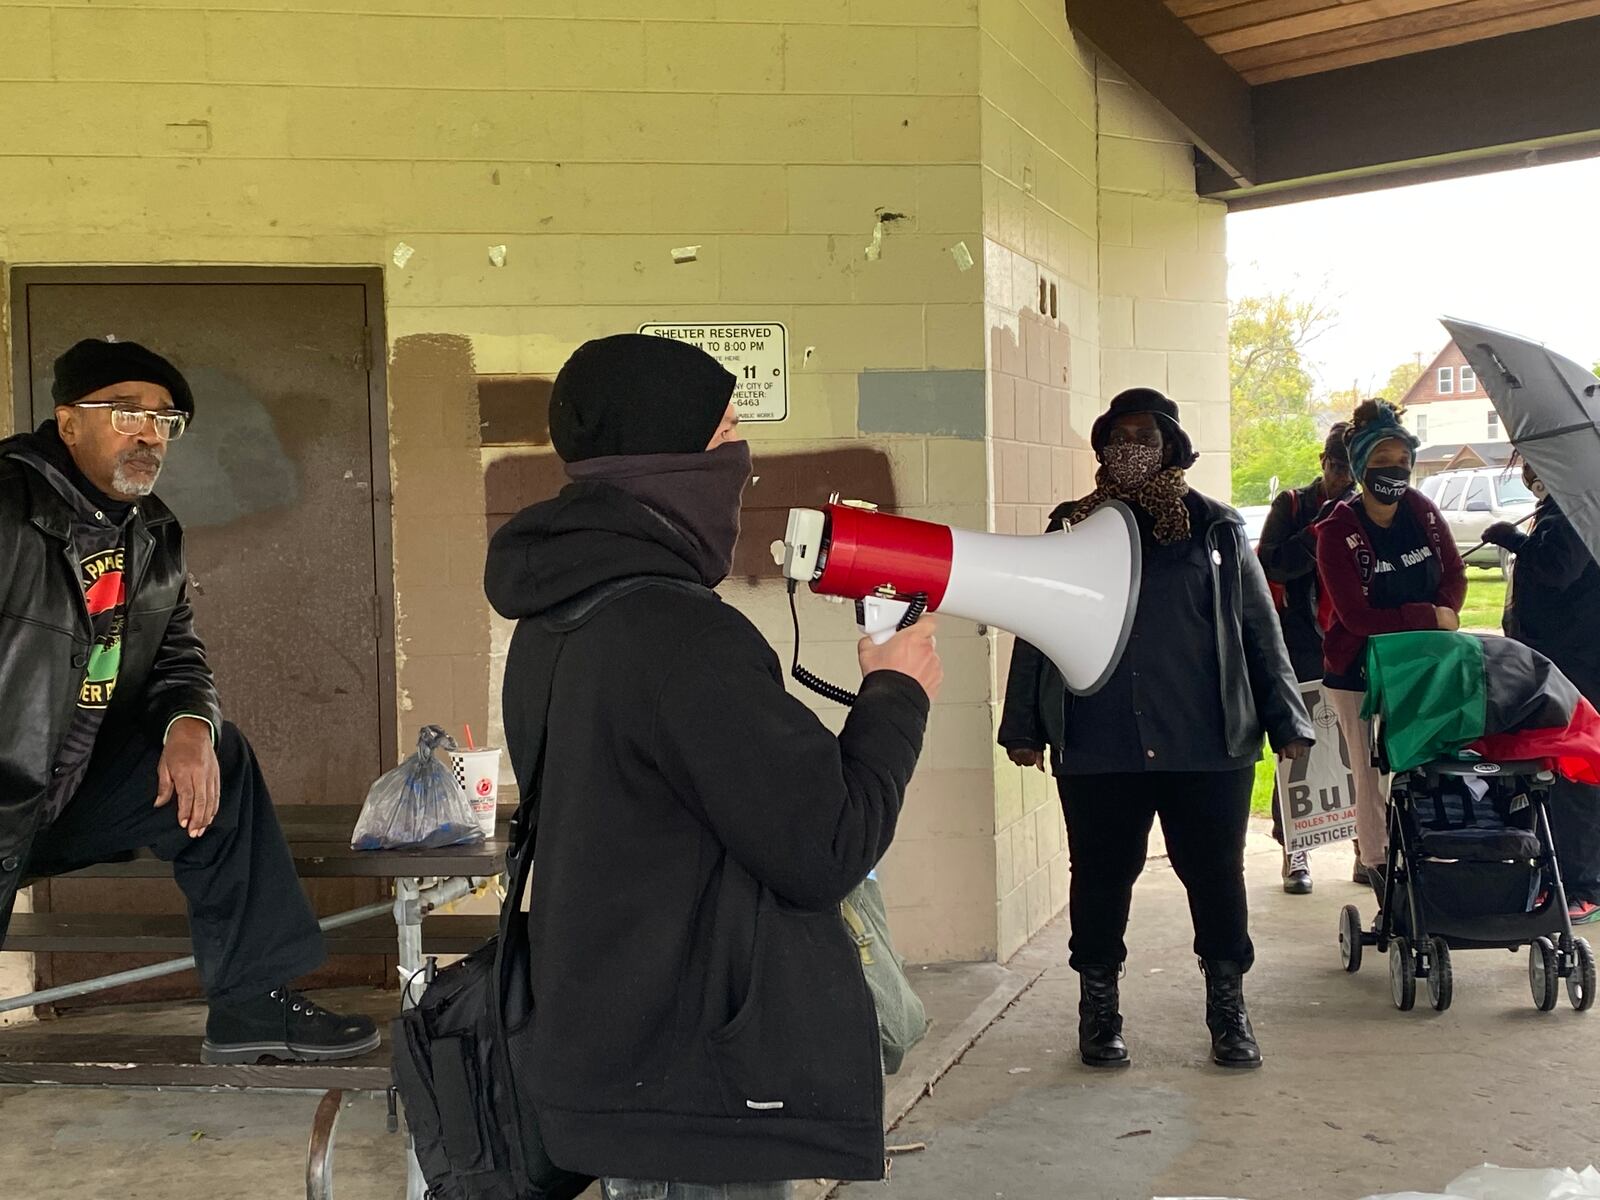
(635, 393)
(1146, 400)
(94, 364)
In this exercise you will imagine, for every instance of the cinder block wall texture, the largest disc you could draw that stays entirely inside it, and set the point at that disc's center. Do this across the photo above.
(591, 138)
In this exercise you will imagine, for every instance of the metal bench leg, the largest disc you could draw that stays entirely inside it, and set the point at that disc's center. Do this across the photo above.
(319, 1155)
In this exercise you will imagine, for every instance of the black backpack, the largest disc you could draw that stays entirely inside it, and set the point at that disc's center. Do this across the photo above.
(472, 1122)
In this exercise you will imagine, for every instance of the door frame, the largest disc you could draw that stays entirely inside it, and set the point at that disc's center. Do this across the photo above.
(370, 279)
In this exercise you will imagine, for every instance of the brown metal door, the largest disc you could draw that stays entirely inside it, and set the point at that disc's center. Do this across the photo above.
(285, 533)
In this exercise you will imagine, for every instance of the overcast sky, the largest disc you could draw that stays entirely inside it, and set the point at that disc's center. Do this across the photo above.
(1517, 249)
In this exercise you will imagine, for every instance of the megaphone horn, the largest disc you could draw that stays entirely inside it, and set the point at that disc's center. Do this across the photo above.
(1072, 593)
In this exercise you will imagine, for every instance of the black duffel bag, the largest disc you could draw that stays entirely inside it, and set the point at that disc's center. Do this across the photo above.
(474, 1130)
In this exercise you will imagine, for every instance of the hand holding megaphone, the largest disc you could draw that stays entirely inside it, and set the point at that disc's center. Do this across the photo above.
(911, 651)
(1071, 593)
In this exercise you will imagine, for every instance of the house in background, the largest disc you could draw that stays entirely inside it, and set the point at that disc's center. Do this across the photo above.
(1449, 411)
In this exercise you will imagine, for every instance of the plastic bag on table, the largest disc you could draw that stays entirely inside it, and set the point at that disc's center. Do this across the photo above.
(417, 805)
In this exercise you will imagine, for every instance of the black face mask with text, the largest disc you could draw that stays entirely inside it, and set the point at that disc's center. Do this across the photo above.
(1387, 484)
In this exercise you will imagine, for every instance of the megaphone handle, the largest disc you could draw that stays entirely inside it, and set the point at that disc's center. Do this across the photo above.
(880, 619)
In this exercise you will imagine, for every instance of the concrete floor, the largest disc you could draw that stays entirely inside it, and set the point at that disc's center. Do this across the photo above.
(1356, 1098)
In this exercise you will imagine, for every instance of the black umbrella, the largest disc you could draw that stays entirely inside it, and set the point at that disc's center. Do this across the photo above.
(1550, 407)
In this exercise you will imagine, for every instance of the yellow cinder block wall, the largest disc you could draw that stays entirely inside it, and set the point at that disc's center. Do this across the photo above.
(590, 138)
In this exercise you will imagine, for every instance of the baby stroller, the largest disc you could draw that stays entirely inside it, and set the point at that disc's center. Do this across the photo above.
(1472, 860)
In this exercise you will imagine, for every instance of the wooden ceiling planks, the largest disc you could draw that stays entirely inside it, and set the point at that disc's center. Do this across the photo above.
(1267, 40)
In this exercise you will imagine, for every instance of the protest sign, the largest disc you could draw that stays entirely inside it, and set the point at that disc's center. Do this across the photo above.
(1318, 792)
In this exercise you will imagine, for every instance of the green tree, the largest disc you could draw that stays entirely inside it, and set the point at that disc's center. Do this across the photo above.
(1400, 381)
(1274, 418)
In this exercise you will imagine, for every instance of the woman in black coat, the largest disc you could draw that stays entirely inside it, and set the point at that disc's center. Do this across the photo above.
(1175, 732)
(1554, 607)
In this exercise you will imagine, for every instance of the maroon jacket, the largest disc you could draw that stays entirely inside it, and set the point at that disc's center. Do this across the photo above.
(1344, 565)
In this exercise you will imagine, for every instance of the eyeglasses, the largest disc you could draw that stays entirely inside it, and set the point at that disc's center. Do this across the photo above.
(130, 421)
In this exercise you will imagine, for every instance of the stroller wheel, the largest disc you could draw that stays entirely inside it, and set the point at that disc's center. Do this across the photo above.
(1544, 973)
(1402, 974)
(1441, 976)
(1350, 938)
(1580, 984)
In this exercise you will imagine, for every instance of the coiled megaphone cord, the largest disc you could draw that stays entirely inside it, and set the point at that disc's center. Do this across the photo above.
(832, 691)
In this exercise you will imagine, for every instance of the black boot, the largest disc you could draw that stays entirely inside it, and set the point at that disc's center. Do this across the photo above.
(1233, 1041)
(1100, 1041)
(285, 1025)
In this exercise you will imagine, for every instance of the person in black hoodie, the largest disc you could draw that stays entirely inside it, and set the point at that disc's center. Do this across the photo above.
(700, 1014)
(1175, 732)
(1554, 607)
(114, 738)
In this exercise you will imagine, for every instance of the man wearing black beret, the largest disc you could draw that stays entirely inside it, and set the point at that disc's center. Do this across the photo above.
(113, 738)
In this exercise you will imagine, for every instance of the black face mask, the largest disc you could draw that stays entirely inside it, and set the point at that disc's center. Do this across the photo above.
(699, 494)
(1387, 484)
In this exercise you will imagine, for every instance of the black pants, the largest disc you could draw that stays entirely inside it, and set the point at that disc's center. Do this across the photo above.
(252, 926)
(1575, 823)
(1204, 815)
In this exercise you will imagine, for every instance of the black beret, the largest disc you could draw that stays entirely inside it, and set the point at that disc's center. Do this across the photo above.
(94, 364)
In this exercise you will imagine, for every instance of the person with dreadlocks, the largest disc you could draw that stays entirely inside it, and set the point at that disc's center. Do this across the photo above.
(1388, 564)
(1175, 733)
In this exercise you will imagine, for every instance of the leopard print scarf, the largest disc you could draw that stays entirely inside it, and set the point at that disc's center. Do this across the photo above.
(1161, 496)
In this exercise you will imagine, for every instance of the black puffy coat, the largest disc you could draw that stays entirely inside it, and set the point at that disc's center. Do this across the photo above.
(699, 1008)
(45, 639)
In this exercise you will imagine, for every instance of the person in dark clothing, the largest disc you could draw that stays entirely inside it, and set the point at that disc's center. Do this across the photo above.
(1175, 732)
(114, 738)
(1554, 607)
(1288, 553)
(701, 1014)
(1388, 564)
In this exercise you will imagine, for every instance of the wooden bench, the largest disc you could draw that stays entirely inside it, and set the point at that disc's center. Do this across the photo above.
(58, 1056)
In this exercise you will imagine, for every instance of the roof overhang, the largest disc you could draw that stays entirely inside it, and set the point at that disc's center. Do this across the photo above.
(1511, 100)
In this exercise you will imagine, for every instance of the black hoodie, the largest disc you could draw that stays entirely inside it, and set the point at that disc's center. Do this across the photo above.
(700, 1010)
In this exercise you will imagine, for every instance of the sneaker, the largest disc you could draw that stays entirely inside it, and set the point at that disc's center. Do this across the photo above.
(1584, 912)
(1360, 874)
(1297, 874)
(285, 1025)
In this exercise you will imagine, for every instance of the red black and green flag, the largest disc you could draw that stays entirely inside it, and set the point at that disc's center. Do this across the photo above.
(1443, 695)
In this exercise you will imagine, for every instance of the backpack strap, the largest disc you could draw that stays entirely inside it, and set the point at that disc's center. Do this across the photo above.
(524, 825)
(564, 619)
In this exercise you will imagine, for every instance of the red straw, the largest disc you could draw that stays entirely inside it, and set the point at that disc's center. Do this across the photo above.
(468, 729)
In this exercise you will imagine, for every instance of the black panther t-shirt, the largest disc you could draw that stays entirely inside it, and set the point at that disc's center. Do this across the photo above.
(1403, 570)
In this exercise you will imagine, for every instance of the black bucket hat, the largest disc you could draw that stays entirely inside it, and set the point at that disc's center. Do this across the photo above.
(1145, 400)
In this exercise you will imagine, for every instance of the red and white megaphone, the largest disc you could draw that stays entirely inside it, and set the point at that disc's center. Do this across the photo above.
(1071, 593)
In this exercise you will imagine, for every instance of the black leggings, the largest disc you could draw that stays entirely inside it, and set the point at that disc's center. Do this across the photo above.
(1204, 815)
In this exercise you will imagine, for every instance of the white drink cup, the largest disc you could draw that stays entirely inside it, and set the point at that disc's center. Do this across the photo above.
(477, 774)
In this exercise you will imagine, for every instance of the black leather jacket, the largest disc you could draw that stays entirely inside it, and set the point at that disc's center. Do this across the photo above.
(1259, 693)
(45, 640)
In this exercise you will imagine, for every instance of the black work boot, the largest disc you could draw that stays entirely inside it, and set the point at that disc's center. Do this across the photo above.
(1297, 873)
(283, 1024)
(1100, 1041)
(1233, 1041)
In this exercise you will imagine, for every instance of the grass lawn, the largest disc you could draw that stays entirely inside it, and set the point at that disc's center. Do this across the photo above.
(1486, 598)
(1261, 796)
